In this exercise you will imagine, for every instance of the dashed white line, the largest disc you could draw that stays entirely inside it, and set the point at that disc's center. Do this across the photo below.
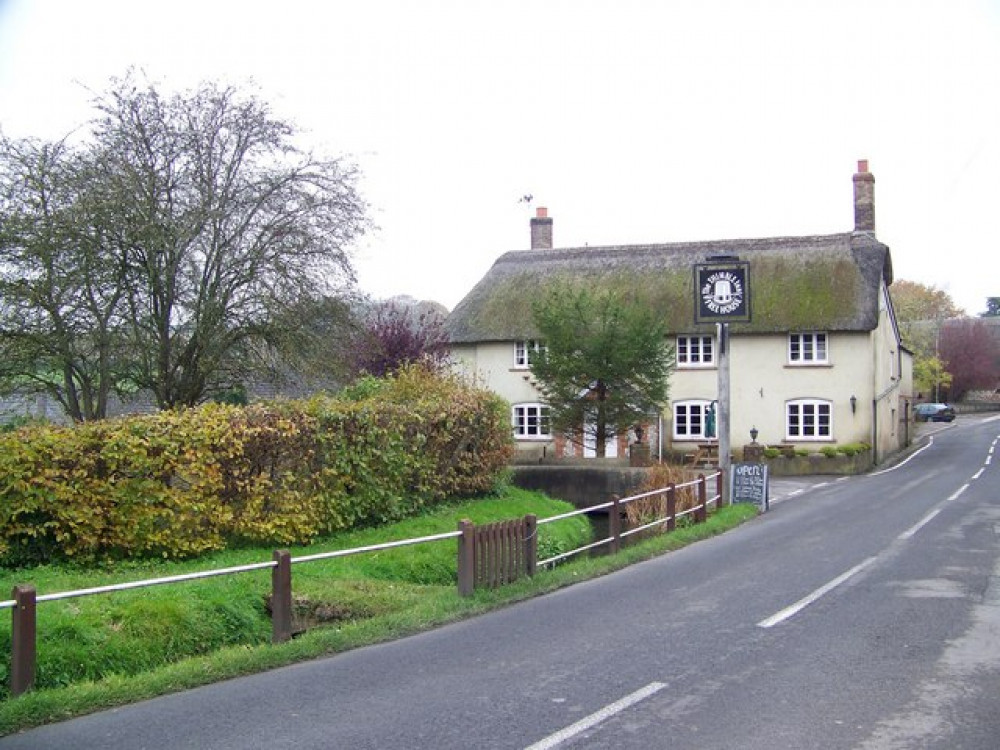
(919, 525)
(801, 604)
(954, 495)
(588, 722)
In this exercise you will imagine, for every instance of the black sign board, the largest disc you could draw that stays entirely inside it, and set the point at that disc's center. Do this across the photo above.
(750, 484)
(722, 292)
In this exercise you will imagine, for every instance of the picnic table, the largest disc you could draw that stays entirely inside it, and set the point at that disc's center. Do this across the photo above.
(704, 453)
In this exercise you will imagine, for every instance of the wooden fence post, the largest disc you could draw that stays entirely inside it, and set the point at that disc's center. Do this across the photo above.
(23, 640)
(720, 487)
(615, 524)
(466, 559)
(671, 507)
(701, 511)
(281, 597)
(530, 544)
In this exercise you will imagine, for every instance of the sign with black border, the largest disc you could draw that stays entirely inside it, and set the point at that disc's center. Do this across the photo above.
(750, 484)
(722, 292)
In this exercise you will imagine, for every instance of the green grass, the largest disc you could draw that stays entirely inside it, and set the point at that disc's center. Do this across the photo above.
(106, 650)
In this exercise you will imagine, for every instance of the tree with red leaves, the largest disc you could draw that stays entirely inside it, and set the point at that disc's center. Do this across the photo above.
(970, 348)
(395, 335)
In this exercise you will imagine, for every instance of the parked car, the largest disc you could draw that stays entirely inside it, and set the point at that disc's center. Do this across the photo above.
(934, 413)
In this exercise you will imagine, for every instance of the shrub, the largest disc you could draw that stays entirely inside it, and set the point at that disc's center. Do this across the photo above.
(648, 509)
(830, 451)
(853, 449)
(178, 484)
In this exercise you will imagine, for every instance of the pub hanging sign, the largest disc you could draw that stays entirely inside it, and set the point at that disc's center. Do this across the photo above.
(722, 292)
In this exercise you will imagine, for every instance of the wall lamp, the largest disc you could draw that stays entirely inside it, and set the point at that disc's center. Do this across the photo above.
(753, 434)
(854, 404)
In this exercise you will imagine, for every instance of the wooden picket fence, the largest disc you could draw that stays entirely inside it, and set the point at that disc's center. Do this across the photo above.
(495, 554)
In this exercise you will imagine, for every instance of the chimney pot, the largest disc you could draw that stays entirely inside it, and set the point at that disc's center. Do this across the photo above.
(541, 212)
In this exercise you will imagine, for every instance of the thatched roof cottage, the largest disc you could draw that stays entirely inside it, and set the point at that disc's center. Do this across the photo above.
(819, 363)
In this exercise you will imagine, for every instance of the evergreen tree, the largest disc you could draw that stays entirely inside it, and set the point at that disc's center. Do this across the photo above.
(604, 364)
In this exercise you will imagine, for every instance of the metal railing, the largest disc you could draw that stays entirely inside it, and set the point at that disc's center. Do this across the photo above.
(25, 598)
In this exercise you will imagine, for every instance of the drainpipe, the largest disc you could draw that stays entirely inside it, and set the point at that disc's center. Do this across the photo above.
(875, 432)
(659, 437)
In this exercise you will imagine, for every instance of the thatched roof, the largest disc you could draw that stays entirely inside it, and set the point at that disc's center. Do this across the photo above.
(828, 283)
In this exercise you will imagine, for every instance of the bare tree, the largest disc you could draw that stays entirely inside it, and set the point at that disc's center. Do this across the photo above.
(174, 251)
(60, 289)
(226, 226)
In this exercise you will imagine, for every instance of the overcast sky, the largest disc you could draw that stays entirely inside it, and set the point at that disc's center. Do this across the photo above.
(633, 121)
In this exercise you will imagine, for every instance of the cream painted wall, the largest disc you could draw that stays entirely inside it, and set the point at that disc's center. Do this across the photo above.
(762, 381)
(861, 364)
(492, 366)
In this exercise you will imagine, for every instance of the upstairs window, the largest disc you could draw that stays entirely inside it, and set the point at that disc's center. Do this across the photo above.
(807, 419)
(807, 349)
(525, 351)
(695, 351)
(531, 421)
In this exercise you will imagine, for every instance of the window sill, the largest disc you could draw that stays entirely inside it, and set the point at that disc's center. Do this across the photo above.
(800, 365)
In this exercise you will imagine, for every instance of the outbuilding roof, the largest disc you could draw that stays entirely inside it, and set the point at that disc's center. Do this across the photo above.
(826, 282)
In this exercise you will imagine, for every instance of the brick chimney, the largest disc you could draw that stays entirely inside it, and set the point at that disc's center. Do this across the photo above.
(541, 230)
(864, 198)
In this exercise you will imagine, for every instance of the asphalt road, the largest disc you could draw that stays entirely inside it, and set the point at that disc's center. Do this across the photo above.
(858, 613)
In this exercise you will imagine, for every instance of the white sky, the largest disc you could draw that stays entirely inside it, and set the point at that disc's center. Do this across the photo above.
(633, 121)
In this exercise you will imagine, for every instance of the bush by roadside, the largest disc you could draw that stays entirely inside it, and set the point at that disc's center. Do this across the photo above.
(181, 484)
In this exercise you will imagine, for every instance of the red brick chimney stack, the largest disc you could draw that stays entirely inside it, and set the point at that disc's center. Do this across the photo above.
(864, 198)
(541, 229)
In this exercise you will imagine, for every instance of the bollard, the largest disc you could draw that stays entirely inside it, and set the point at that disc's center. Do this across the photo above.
(281, 597)
(23, 641)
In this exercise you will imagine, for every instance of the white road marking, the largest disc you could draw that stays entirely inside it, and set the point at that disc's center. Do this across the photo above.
(801, 604)
(954, 495)
(919, 525)
(588, 722)
(930, 442)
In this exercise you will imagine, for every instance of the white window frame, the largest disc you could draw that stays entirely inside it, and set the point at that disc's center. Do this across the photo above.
(813, 417)
(531, 421)
(808, 348)
(684, 420)
(523, 351)
(695, 351)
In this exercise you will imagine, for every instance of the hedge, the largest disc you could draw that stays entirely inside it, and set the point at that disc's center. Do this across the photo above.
(180, 483)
